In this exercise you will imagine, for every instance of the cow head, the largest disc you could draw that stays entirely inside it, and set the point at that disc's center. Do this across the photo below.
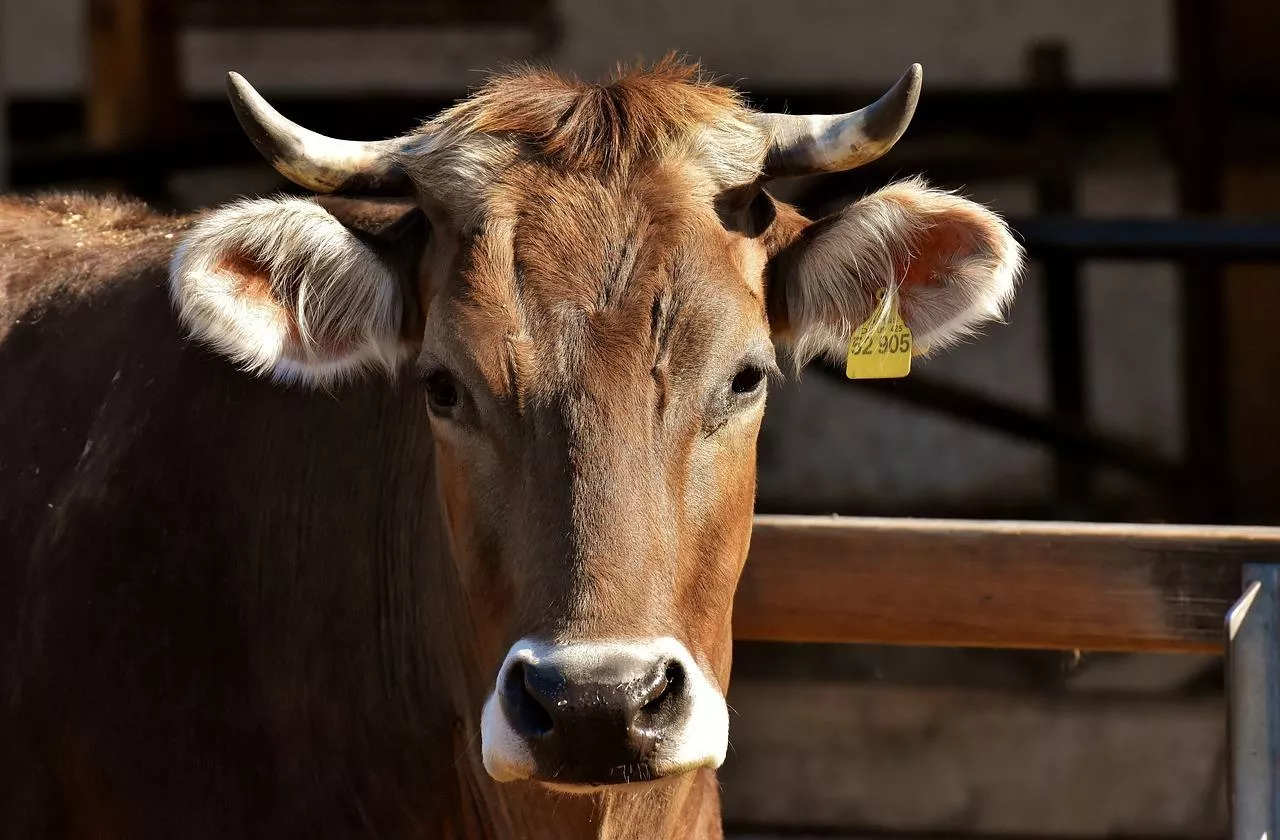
(589, 286)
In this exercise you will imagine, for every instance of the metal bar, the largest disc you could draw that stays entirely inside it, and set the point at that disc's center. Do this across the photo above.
(1152, 239)
(1253, 697)
(1202, 123)
(1063, 318)
(4, 116)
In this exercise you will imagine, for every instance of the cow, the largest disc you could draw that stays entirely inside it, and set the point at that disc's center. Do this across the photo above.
(414, 506)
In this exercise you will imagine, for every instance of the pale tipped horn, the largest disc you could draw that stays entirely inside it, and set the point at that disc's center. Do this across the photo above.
(311, 160)
(812, 144)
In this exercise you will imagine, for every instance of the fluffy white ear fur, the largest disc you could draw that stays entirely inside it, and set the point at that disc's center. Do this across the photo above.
(952, 264)
(283, 288)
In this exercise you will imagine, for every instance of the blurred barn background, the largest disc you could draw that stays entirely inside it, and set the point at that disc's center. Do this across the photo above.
(1136, 147)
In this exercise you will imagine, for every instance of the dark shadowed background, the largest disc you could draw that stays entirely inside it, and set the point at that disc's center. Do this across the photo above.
(1136, 148)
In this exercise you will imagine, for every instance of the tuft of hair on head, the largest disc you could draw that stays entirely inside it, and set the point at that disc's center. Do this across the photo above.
(640, 112)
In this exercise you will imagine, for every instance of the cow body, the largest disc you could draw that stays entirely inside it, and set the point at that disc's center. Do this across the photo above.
(487, 599)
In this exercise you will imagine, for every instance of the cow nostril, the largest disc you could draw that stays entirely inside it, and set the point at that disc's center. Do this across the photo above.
(666, 689)
(525, 704)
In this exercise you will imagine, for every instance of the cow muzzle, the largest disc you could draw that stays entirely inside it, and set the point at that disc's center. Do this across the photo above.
(586, 714)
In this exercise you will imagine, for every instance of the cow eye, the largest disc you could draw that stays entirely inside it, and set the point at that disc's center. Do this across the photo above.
(442, 391)
(748, 380)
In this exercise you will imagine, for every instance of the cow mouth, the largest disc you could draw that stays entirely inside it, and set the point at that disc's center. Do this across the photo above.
(581, 779)
(584, 780)
(648, 777)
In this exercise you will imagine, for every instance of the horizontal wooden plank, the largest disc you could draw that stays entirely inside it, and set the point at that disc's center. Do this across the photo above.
(962, 583)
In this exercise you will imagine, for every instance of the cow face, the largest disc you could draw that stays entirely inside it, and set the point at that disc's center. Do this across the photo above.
(589, 287)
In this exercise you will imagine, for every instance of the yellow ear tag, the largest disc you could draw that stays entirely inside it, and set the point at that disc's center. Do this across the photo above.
(881, 347)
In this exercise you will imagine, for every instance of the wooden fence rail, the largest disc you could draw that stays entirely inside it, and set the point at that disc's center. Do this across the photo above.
(961, 583)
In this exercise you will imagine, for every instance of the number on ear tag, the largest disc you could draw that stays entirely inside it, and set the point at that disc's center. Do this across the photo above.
(881, 347)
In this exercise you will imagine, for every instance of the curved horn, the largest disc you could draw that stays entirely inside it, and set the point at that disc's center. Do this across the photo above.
(312, 160)
(809, 145)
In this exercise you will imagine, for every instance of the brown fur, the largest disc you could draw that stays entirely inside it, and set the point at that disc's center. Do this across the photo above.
(597, 128)
(86, 237)
(606, 131)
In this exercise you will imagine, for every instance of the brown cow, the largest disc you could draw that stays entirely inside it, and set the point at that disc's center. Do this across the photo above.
(495, 603)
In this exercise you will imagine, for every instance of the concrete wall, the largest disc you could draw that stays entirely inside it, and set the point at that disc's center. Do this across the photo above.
(797, 42)
(948, 762)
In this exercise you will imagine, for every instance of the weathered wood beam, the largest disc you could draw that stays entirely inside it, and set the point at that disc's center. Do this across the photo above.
(959, 583)
(133, 85)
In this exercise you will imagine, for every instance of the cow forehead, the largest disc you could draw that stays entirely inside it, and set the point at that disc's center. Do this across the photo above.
(667, 113)
(600, 245)
(575, 279)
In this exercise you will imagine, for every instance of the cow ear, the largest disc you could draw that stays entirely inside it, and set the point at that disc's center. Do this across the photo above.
(299, 291)
(952, 264)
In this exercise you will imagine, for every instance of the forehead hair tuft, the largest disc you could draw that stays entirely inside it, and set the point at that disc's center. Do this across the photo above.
(639, 113)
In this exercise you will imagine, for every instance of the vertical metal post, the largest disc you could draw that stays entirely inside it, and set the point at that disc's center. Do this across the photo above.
(4, 113)
(1200, 127)
(1253, 700)
(1050, 72)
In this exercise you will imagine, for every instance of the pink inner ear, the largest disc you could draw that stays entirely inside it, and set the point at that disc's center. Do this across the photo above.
(940, 246)
(252, 281)
(251, 278)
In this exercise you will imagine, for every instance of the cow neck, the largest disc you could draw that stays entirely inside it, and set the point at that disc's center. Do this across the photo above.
(685, 808)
